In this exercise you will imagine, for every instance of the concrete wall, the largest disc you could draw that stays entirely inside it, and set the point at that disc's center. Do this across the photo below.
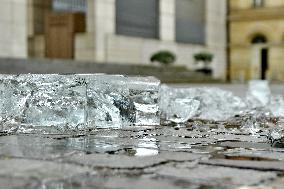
(13, 28)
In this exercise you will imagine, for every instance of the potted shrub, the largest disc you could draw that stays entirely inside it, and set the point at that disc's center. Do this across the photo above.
(163, 57)
(205, 58)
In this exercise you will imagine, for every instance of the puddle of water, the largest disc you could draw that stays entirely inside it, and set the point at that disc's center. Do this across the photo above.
(146, 152)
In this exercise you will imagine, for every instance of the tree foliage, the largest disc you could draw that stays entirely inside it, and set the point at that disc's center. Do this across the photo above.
(203, 56)
(163, 57)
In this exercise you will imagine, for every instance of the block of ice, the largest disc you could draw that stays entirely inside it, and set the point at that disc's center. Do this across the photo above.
(181, 110)
(13, 96)
(251, 125)
(258, 94)
(57, 102)
(276, 105)
(276, 136)
(116, 101)
(214, 103)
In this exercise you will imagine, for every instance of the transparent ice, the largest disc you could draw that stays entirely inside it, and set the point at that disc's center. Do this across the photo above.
(258, 94)
(13, 96)
(204, 103)
(250, 124)
(276, 105)
(276, 135)
(54, 103)
(116, 101)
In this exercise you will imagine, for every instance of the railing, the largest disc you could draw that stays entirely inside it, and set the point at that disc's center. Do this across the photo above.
(69, 5)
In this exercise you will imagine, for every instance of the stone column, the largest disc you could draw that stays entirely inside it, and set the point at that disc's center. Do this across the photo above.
(167, 20)
(100, 23)
(13, 32)
(216, 36)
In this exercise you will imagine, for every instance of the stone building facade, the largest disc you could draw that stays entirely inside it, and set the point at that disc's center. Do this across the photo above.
(116, 31)
(256, 30)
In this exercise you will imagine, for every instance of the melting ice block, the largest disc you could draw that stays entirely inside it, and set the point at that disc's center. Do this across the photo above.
(276, 105)
(258, 93)
(116, 101)
(55, 103)
(176, 107)
(13, 97)
(204, 103)
(276, 136)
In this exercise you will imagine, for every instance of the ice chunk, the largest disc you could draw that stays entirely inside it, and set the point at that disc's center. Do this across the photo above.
(116, 101)
(258, 93)
(276, 105)
(57, 102)
(181, 110)
(276, 136)
(251, 125)
(175, 109)
(13, 96)
(214, 103)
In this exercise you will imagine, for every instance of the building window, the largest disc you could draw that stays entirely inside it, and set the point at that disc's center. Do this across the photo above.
(258, 39)
(137, 18)
(69, 5)
(258, 3)
(190, 21)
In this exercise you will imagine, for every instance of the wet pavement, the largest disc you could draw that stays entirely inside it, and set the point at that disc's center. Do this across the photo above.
(208, 156)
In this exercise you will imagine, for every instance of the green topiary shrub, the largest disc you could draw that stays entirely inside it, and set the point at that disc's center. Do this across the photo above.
(203, 56)
(163, 57)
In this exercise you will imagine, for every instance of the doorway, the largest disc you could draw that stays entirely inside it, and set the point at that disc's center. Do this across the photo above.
(62, 22)
(264, 62)
(260, 59)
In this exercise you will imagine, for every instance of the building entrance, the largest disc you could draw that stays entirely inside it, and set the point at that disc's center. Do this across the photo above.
(61, 24)
(262, 58)
(264, 63)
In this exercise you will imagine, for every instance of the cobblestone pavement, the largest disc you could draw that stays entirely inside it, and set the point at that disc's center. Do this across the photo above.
(141, 157)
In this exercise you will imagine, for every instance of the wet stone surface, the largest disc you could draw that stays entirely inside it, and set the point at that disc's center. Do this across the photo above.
(212, 155)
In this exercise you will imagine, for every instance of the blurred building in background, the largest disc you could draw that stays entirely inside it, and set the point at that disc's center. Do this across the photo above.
(116, 31)
(256, 30)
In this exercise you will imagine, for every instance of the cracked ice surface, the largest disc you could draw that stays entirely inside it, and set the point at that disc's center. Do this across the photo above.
(204, 103)
(56, 103)
(115, 101)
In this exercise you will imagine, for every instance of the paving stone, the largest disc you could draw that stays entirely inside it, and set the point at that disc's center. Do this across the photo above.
(23, 168)
(254, 154)
(226, 175)
(255, 187)
(128, 182)
(35, 147)
(244, 144)
(277, 183)
(128, 162)
(17, 183)
(256, 165)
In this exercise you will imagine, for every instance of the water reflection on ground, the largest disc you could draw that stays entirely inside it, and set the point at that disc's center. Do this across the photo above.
(165, 156)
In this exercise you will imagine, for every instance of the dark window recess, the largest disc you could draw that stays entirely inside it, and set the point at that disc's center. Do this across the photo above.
(137, 18)
(264, 62)
(69, 5)
(259, 39)
(190, 21)
(258, 3)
